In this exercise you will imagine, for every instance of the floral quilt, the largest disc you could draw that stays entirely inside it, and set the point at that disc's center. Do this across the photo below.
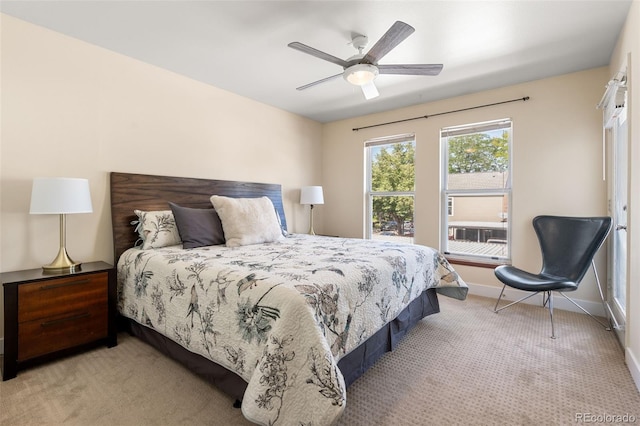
(280, 314)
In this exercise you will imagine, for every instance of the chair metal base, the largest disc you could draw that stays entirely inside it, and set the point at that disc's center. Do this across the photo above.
(547, 298)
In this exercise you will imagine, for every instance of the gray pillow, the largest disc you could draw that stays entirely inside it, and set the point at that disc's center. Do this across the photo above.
(198, 227)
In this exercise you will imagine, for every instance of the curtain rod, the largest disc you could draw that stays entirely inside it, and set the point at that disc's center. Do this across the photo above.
(526, 98)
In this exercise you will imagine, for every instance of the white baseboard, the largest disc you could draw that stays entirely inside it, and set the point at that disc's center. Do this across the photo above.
(559, 302)
(634, 367)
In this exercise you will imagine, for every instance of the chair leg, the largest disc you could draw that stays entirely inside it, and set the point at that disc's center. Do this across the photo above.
(512, 303)
(499, 297)
(607, 327)
(607, 308)
(604, 304)
(549, 298)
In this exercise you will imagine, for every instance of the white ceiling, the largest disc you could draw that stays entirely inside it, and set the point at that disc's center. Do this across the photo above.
(241, 46)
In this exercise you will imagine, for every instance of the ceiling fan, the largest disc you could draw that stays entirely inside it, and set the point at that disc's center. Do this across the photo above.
(361, 70)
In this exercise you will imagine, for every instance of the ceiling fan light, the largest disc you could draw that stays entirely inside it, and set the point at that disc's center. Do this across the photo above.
(361, 74)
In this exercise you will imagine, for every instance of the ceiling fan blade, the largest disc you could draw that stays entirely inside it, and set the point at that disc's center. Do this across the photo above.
(370, 90)
(306, 86)
(393, 37)
(318, 54)
(410, 69)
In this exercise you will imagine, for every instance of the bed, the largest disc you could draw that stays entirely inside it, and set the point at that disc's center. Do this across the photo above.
(285, 325)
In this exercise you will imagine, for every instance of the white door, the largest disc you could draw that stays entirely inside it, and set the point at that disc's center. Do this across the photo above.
(614, 106)
(618, 292)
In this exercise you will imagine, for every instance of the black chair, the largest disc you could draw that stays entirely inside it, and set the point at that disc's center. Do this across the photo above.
(568, 245)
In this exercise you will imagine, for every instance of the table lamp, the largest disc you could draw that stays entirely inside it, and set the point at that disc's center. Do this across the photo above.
(311, 195)
(60, 196)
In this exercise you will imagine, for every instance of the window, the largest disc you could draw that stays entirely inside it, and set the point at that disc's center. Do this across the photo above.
(390, 188)
(476, 178)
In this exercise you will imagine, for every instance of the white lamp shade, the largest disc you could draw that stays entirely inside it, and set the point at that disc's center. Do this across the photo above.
(311, 195)
(60, 196)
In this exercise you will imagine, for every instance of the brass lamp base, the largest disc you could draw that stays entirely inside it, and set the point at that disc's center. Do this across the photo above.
(311, 231)
(62, 262)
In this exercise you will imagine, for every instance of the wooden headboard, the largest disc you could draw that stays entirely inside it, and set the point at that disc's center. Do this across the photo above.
(148, 192)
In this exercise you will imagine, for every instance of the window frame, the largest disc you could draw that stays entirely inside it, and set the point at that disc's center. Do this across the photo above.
(446, 194)
(369, 193)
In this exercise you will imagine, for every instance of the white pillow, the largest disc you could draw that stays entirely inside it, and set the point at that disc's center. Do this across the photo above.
(247, 220)
(157, 229)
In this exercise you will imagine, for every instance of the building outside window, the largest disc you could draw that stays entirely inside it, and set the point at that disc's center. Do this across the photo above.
(476, 178)
(390, 188)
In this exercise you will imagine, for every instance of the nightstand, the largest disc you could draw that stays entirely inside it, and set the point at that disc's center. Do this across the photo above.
(50, 314)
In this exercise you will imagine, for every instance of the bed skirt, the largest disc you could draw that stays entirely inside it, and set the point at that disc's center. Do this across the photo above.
(352, 365)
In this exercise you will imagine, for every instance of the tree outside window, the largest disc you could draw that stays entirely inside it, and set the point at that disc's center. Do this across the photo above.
(391, 183)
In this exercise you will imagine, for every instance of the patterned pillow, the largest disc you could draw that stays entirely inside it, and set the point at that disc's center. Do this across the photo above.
(157, 229)
(247, 220)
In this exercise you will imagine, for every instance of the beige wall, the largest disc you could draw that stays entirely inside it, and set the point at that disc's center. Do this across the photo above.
(75, 110)
(557, 162)
(627, 53)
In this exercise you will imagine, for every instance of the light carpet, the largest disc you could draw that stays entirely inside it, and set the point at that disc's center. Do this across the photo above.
(463, 366)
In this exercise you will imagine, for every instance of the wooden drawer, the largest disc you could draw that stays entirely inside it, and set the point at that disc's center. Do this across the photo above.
(53, 298)
(63, 331)
(48, 314)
